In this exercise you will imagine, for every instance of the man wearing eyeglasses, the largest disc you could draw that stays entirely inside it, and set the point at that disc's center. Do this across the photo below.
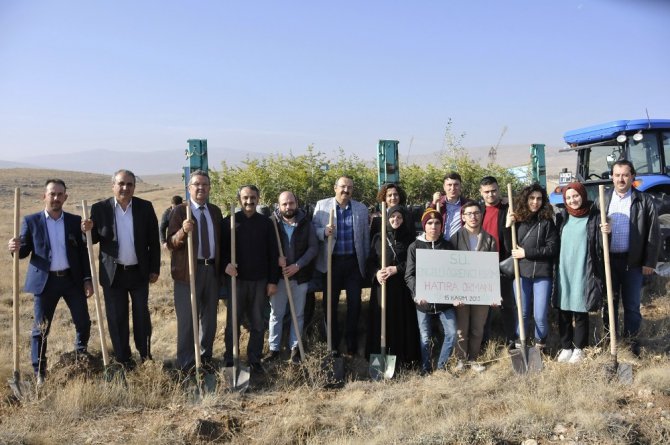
(205, 225)
(127, 229)
(350, 251)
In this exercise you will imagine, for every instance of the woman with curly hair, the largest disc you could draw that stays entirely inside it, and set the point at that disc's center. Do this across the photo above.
(537, 248)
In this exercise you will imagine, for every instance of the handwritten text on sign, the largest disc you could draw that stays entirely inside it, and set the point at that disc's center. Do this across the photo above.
(448, 276)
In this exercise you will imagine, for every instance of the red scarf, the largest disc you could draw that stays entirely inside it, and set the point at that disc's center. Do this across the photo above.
(579, 188)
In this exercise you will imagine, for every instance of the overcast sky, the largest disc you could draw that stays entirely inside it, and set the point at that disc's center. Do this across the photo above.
(275, 76)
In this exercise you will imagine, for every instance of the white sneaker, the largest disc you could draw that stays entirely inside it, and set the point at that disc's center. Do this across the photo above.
(577, 356)
(565, 355)
(477, 367)
(459, 366)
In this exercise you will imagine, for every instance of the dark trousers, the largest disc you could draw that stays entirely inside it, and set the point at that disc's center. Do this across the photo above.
(44, 307)
(577, 337)
(507, 312)
(207, 302)
(251, 301)
(346, 276)
(627, 286)
(128, 283)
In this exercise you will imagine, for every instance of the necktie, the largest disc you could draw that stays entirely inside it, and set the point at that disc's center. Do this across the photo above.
(204, 235)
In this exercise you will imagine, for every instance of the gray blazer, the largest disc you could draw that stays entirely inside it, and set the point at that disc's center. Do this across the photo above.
(361, 232)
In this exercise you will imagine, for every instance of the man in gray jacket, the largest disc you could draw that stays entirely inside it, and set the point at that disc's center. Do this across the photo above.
(351, 245)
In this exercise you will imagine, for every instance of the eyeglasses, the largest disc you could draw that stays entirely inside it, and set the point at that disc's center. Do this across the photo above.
(472, 214)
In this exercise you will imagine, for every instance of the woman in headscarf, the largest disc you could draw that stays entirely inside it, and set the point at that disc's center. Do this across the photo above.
(578, 282)
(402, 332)
(536, 251)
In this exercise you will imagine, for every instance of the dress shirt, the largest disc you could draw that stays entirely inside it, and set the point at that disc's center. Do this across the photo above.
(619, 216)
(56, 230)
(344, 243)
(195, 213)
(125, 234)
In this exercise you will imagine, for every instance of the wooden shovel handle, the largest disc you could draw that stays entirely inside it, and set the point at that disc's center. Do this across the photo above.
(191, 280)
(517, 274)
(608, 273)
(15, 283)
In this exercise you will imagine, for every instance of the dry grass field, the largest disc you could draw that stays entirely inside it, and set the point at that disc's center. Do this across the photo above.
(562, 404)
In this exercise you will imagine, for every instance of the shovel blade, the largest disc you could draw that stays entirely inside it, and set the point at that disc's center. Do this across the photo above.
(624, 373)
(382, 366)
(519, 361)
(334, 369)
(237, 378)
(535, 360)
(20, 388)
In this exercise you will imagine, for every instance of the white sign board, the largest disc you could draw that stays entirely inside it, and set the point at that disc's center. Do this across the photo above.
(448, 276)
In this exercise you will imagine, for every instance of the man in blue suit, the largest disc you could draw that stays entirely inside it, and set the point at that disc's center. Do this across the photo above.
(351, 245)
(58, 268)
(127, 229)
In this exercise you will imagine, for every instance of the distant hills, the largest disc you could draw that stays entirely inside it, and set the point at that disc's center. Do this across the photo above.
(172, 161)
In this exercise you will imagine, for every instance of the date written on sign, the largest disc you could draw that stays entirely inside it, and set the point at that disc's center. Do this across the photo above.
(449, 276)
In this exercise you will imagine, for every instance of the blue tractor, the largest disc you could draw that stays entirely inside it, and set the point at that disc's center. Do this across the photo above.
(644, 142)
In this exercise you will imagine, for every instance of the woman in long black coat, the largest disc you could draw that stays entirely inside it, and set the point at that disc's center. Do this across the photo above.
(402, 332)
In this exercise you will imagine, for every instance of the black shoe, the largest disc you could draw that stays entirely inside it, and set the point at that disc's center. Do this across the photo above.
(295, 356)
(635, 348)
(272, 357)
(256, 368)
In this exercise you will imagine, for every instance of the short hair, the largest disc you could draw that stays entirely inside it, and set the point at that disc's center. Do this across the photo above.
(198, 172)
(622, 162)
(381, 196)
(249, 186)
(295, 198)
(176, 200)
(470, 203)
(344, 176)
(123, 172)
(55, 181)
(488, 180)
(452, 175)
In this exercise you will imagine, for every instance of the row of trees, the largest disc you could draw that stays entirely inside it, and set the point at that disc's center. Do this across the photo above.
(311, 176)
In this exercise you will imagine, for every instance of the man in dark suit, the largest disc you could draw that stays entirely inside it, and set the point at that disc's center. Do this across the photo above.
(127, 229)
(58, 268)
(205, 224)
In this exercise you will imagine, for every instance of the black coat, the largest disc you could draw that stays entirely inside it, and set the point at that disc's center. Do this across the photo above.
(540, 246)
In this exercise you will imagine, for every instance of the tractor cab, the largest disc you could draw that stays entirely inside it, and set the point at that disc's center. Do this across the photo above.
(644, 142)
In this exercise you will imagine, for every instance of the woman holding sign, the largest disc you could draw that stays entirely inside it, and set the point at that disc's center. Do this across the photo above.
(470, 319)
(431, 221)
(537, 248)
(402, 339)
(579, 283)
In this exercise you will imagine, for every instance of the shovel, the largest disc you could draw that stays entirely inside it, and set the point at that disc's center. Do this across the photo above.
(525, 359)
(332, 364)
(19, 388)
(289, 293)
(623, 371)
(206, 382)
(236, 376)
(382, 365)
(108, 373)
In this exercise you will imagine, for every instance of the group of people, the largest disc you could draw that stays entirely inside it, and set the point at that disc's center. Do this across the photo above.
(560, 261)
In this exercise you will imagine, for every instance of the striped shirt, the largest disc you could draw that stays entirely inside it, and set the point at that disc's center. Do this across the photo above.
(619, 218)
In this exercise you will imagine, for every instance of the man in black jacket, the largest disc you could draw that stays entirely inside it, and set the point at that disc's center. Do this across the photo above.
(634, 245)
(256, 271)
(493, 222)
(127, 229)
(165, 219)
(300, 246)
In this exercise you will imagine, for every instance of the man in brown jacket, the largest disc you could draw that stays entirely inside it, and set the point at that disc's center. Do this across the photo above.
(205, 224)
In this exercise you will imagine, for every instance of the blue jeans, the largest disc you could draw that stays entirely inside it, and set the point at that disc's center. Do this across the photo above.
(627, 286)
(279, 304)
(535, 298)
(448, 320)
(44, 308)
